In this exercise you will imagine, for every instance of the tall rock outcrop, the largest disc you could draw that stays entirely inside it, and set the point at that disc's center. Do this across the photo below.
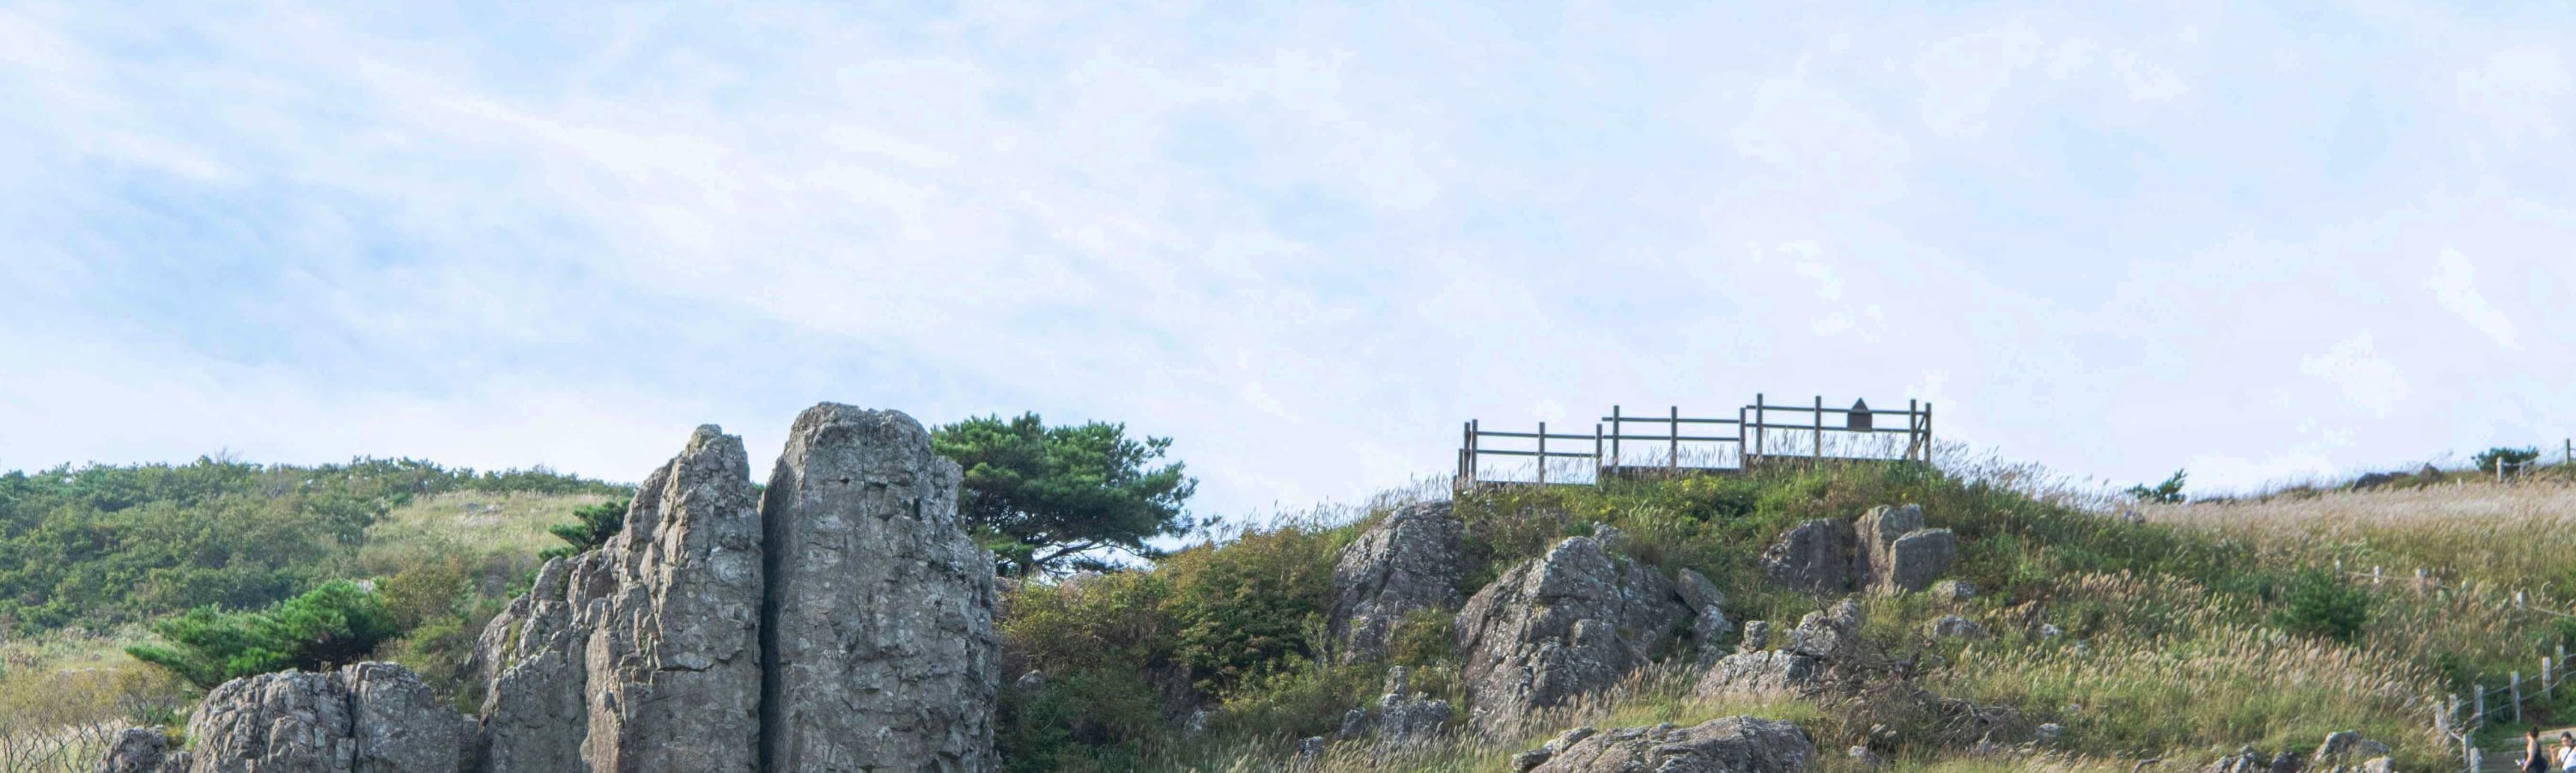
(1407, 563)
(878, 632)
(673, 662)
(1560, 625)
(643, 655)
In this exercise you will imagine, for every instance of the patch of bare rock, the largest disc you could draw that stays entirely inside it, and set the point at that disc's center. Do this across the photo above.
(840, 620)
(1729, 745)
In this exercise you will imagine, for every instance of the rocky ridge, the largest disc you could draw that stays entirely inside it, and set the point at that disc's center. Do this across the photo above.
(841, 622)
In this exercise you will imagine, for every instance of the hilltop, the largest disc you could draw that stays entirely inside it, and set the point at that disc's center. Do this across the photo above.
(2069, 637)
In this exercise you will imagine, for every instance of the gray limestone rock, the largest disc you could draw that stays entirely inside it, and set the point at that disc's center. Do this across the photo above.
(2345, 747)
(137, 750)
(1728, 745)
(1708, 621)
(1760, 673)
(1956, 627)
(843, 622)
(1918, 558)
(1879, 529)
(880, 648)
(1557, 626)
(1954, 590)
(673, 663)
(1406, 563)
(364, 718)
(1815, 557)
(1828, 635)
(532, 656)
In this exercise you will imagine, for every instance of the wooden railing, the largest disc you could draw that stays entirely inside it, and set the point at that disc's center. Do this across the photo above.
(1723, 445)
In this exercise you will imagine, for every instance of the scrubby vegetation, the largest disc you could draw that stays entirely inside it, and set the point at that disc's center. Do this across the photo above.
(2141, 639)
(241, 567)
(2268, 620)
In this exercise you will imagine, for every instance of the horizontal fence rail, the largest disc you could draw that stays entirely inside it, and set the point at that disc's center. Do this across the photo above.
(1626, 444)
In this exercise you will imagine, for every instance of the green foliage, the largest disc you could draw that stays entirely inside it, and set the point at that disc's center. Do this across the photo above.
(594, 526)
(1051, 498)
(337, 623)
(2168, 492)
(2489, 459)
(2318, 603)
(1250, 609)
(105, 545)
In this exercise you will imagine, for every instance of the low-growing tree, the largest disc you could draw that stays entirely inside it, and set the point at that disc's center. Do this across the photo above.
(597, 523)
(337, 623)
(2168, 492)
(1069, 497)
(2490, 459)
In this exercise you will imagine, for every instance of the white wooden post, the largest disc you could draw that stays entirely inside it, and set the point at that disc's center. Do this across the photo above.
(2517, 697)
(1542, 454)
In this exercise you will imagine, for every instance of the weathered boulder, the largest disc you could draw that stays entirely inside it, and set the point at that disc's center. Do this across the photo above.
(1401, 715)
(1407, 563)
(1757, 635)
(371, 717)
(1566, 623)
(1956, 627)
(1728, 745)
(1917, 559)
(1815, 557)
(1953, 590)
(880, 648)
(137, 750)
(2345, 748)
(1709, 625)
(1760, 673)
(1828, 635)
(1879, 528)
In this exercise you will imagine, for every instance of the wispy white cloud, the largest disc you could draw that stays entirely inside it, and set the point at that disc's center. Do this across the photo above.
(1306, 241)
(2455, 284)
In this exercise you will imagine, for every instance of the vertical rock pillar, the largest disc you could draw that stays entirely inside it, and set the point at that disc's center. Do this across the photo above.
(674, 660)
(878, 626)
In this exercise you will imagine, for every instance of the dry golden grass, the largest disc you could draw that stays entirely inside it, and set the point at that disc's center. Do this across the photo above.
(469, 523)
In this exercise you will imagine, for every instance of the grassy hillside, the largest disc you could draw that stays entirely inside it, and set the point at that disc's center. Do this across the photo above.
(89, 555)
(2187, 632)
(2199, 630)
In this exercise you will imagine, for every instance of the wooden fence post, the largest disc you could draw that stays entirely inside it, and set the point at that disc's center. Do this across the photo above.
(1614, 436)
(1743, 458)
(1820, 429)
(2517, 697)
(1542, 454)
(1675, 437)
(1759, 448)
(2479, 718)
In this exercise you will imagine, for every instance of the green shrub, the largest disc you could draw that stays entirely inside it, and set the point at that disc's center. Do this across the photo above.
(596, 524)
(1252, 607)
(335, 624)
(2318, 603)
(2168, 492)
(2490, 459)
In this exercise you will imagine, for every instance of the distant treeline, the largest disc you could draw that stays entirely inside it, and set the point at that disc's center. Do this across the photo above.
(103, 545)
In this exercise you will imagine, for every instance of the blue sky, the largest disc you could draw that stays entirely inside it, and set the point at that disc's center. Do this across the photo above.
(1305, 239)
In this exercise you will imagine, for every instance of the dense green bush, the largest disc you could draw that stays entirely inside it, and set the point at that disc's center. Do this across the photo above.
(2318, 603)
(594, 526)
(337, 623)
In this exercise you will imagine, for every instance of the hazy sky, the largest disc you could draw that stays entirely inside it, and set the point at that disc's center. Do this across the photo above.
(1305, 240)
